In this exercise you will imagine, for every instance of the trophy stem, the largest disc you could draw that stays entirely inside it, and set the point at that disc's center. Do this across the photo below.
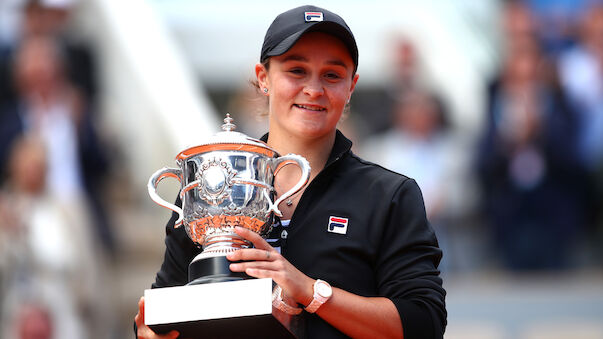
(211, 264)
(211, 270)
(223, 243)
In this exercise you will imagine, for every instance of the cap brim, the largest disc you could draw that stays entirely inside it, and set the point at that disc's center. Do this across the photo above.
(287, 43)
(327, 27)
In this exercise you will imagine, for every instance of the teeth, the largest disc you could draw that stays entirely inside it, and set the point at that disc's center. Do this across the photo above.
(310, 108)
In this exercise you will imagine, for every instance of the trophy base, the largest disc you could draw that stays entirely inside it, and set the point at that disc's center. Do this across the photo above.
(235, 309)
(213, 270)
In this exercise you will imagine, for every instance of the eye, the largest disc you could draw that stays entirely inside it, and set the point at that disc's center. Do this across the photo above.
(297, 71)
(332, 76)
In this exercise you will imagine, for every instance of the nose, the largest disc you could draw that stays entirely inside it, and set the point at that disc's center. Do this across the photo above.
(314, 88)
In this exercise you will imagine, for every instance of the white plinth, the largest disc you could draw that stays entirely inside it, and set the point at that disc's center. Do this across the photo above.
(219, 310)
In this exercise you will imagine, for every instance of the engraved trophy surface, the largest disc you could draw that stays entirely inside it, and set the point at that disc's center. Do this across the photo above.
(226, 181)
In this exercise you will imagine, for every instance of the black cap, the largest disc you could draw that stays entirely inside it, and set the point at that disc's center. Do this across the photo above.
(289, 26)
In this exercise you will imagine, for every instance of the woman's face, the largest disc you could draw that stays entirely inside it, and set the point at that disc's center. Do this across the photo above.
(308, 86)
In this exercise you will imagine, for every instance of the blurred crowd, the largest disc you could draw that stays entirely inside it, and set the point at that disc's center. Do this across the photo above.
(531, 180)
(539, 161)
(55, 232)
(528, 187)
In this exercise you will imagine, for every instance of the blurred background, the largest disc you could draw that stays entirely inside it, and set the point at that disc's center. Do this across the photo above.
(494, 107)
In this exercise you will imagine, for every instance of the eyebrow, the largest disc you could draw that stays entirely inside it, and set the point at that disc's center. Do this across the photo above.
(296, 57)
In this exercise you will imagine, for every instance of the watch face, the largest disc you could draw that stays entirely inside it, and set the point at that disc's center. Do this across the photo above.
(324, 290)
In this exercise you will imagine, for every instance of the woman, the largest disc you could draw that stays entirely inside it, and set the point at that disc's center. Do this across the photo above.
(381, 260)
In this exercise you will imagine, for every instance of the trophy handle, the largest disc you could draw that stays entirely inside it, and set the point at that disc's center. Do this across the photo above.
(152, 187)
(303, 180)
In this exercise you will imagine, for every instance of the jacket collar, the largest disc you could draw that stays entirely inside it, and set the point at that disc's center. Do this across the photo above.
(341, 146)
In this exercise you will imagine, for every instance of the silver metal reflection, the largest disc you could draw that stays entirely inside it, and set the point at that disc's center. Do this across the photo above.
(227, 181)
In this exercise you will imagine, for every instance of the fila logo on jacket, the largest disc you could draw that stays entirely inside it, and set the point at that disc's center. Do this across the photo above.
(338, 225)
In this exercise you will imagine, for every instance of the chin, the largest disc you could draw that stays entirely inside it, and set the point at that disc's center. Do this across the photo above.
(314, 132)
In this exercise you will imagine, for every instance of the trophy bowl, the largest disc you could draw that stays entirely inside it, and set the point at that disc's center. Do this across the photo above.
(226, 181)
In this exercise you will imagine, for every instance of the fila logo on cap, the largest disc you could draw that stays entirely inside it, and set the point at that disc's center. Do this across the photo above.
(338, 225)
(313, 16)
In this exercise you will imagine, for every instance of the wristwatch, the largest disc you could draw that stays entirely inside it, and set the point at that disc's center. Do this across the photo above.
(322, 293)
(277, 301)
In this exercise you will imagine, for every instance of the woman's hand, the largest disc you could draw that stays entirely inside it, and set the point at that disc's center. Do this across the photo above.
(144, 332)
(264, 261)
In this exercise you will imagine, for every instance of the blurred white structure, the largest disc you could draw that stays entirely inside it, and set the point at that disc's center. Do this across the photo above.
(150, 97)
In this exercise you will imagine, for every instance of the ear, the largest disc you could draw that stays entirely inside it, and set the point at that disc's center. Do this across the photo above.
(261, 73)
(353, 85)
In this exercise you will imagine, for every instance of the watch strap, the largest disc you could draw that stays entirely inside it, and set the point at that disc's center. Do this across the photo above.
(277, 301)
(313, 307)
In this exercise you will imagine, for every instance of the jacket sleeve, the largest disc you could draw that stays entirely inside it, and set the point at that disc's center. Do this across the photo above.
(407, 265)
(179, 251)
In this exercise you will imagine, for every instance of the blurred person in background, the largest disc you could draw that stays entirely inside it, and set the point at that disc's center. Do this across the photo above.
(581, 73)
(48, 105)
(50, 18)
(421, 144)
(530, 175)
(47, 256)
(405, 73)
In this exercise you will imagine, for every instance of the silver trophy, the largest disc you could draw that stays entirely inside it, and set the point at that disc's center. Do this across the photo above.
(226, 181)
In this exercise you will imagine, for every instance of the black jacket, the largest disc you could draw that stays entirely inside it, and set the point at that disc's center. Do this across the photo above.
(388, 249)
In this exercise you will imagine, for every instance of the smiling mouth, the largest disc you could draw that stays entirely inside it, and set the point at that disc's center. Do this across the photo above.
(310, 107)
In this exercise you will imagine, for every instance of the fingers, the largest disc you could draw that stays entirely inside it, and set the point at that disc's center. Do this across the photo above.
(144, 331)
(258, 269)
(261, 251)
(140, 316)
(262, 265)
(253, 254)
(256, 239)
(147, 333)
(260, 273)
(256, 262)
(170, 335)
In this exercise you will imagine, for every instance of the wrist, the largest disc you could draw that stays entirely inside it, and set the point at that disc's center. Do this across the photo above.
(308, 293)
(301, 293)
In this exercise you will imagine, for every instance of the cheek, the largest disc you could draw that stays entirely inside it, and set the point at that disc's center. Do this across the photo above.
(339, 97)
(282, 92)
